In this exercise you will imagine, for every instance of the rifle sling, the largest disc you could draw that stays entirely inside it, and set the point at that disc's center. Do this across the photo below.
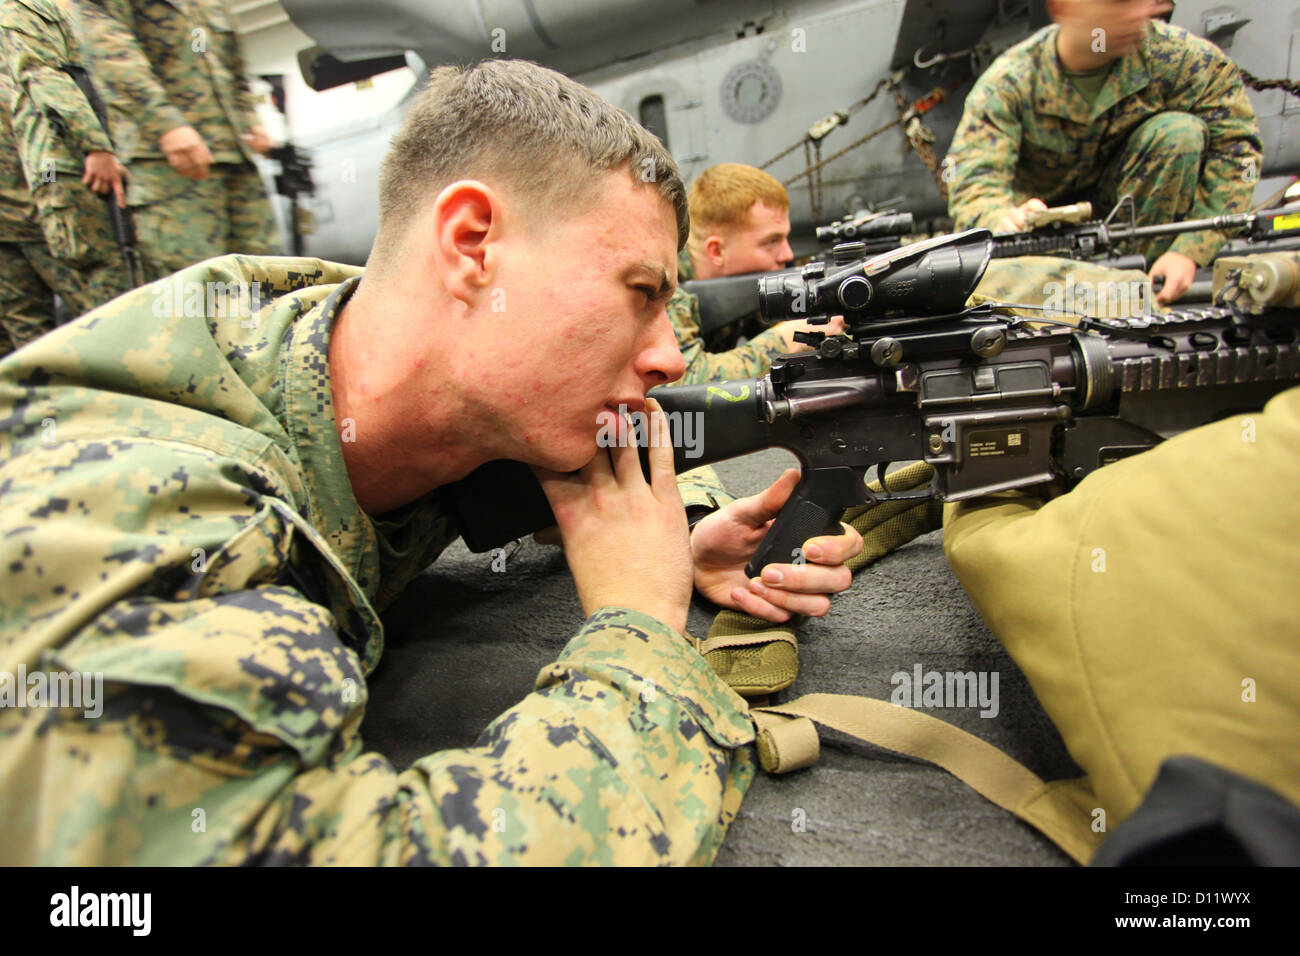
(787, 740)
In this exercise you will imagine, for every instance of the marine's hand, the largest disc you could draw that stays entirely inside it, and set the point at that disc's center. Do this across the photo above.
(258, 139)
(1015, 219)
(724, 541)
(1179, 271)
(104, 174)
(834, 327)
(626, 541)
(186, 152)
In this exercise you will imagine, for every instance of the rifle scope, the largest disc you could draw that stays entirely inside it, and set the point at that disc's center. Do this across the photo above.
(873, 227)
(932, 277)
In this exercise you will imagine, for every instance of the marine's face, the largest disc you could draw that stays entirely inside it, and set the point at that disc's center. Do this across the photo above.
(761, 245)
(590, 303)
(1114, 26)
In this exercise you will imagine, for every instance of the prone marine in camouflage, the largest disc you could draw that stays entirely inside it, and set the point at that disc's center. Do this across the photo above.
(54, 130)
(201, 510)
(1171, 125)
(168, 65)
(178, 518)
(740, 222)
(743, 361)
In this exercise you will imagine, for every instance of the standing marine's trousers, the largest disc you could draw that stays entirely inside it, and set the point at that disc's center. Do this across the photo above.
(1160, 166)
(181, 221)
(79, 259)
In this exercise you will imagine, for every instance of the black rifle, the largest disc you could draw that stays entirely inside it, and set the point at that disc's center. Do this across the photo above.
(1093, 238)
(123, 226)
(869, 227)
(732, 298)
(725, 300)
(729, 299)
(293, 180)
(990, 403)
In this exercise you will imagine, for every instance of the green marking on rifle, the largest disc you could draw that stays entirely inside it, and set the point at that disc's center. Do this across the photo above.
(714, 390)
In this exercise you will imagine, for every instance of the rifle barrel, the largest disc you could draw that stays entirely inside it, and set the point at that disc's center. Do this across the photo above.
(1236, 222)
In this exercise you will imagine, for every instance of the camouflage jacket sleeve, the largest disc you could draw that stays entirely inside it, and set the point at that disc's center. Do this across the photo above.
(985, 150)
(1213, 91)
(35, 54)
(748, 360)
(228, 727)
(702, 488)
(125, 70)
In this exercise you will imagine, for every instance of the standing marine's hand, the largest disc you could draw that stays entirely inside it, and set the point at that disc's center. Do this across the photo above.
(258, 139)
(722, 543)
(186, 152)
(626, 541)
(105, 174)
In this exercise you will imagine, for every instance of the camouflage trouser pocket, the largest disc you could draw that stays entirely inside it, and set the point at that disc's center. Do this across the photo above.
(76, 226)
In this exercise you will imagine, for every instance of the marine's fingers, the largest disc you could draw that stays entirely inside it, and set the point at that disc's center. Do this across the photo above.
(803, 579)
(663, 476)
(813, 605)
(834, 548)
(751, 603)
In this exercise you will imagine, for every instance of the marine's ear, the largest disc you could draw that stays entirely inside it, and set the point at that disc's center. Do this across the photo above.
(467, 217)
(715, 250)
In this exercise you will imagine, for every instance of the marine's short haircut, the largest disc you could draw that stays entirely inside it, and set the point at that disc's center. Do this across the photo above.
(520, 126)
(723, 194)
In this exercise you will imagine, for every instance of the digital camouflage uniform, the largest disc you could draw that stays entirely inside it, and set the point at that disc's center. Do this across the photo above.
(744, 361)
(26, 266)
(178, 518)
(172, 63)
(1172, 125)
(53, 128)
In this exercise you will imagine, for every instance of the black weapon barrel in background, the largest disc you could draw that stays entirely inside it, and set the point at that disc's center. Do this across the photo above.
(123, 226)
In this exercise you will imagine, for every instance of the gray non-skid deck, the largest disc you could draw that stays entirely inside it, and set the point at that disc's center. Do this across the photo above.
(465, 643)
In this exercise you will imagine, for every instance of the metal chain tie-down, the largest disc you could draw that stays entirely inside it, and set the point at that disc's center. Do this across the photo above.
(1255, 83)
(909, 116)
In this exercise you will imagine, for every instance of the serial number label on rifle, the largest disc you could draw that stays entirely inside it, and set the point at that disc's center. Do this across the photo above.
(997, 443)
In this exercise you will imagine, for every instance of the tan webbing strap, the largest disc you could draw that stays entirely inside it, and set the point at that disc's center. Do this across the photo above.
(744, 638)
(755, 657)
(1059, 810)
(785, 743)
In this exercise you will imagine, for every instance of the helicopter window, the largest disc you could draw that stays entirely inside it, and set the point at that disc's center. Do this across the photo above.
(654, 117)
